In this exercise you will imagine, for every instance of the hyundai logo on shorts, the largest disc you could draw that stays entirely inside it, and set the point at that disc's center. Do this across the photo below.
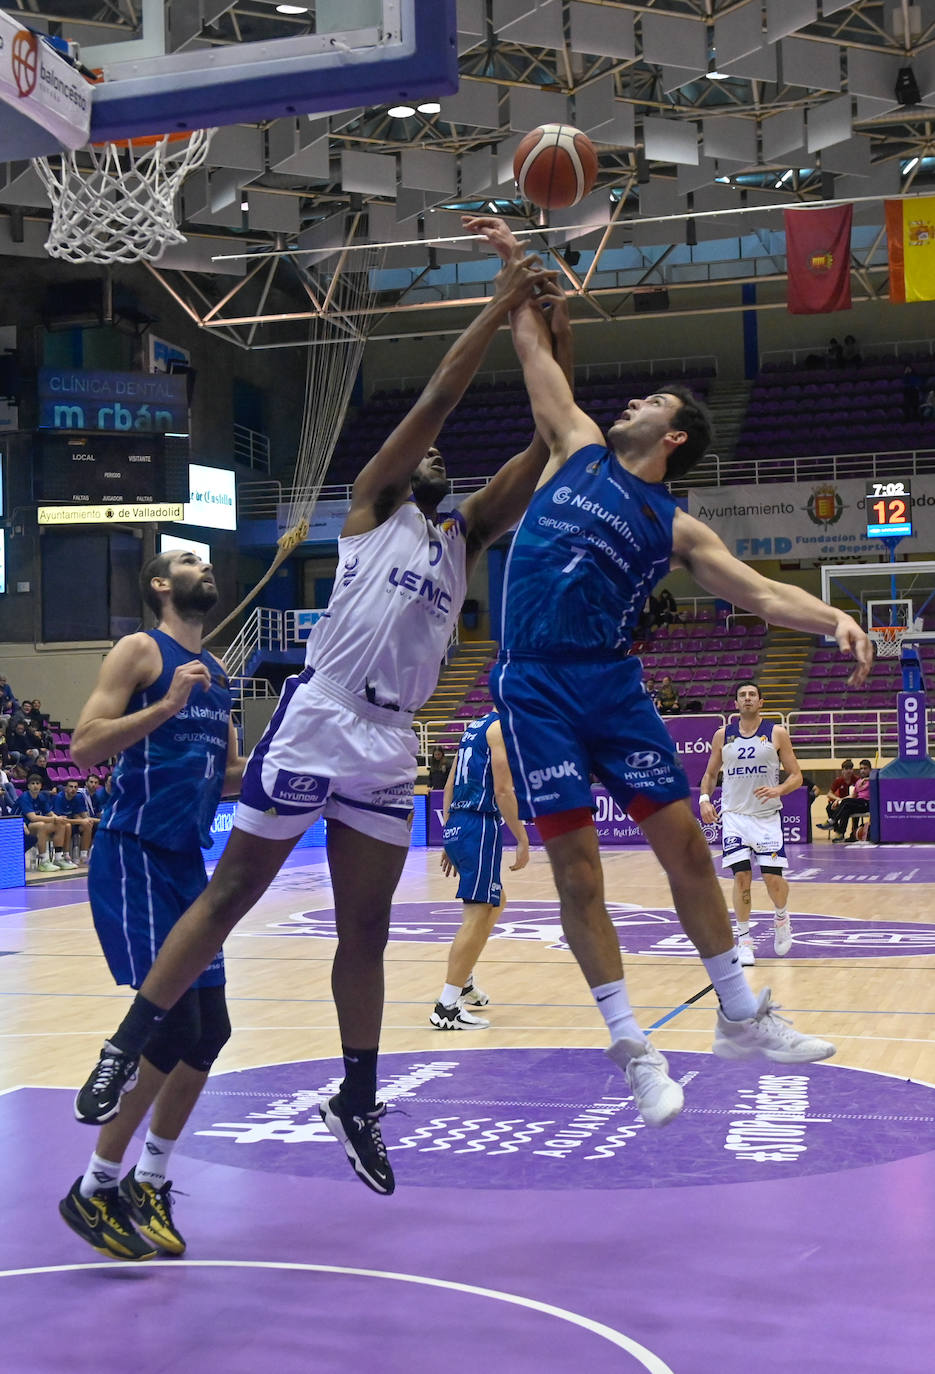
(642, 759)
(303, 790)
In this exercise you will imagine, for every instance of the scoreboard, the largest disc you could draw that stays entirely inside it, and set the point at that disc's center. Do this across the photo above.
(97, 469)
(889, 509)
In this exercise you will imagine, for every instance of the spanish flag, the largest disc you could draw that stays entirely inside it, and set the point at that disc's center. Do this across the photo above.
(910, 237)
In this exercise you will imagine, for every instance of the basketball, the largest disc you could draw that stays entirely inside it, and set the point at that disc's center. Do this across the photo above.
(554, 166)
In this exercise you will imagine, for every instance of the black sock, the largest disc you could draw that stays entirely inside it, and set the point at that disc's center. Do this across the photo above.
(359, 1089)
(137, 1026)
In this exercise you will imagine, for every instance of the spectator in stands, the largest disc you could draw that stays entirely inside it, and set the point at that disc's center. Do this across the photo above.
(667, 697)
(835, 353)
(850, 353)
(650, 684)
(438, 767)
(71, 804)
(7, 789)
(39, 764)
(52, 833)
(668, 607)
(647, 621)
(912, 393)
(927, 408)
(857, 803)
(7, 702)
(20, 739)
(837, 791)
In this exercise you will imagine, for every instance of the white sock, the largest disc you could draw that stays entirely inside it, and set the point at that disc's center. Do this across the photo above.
(780, 912)
(613, 1003)
(450, 995)
(734, 992)
(100, 1173)
(743, 927)
(154, 1160)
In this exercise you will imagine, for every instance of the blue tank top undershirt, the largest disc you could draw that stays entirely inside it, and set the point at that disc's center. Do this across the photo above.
(593, 543)
(167, 786)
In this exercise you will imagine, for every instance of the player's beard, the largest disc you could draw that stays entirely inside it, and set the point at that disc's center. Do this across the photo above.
(428, 491)
(195, 600)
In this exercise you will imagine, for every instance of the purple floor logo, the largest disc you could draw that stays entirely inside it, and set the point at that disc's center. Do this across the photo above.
(642, 930)
(560, 1118)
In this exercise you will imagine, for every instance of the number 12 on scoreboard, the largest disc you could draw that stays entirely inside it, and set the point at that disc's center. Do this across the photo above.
(889, 510)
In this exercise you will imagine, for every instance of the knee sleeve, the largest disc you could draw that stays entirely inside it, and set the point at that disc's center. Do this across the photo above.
(176, 1034)
(766, 868)
(215, 1029)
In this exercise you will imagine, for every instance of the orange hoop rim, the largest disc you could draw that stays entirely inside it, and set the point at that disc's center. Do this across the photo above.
(145, 140)
(890, 633)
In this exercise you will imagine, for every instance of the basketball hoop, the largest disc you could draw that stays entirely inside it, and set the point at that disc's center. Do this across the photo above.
(121, 208)
(888, 639)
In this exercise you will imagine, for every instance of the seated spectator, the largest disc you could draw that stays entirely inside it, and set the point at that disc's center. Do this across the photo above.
(52, 833)
(439, 766)
(649, 684)
(850, 353)
(7, 789)
(835, 353)
(837, 791)
(39, 722)
(20, 739)
(648, 619)
(7, 702)
(71, 804)
(667, 698)
(912, 393)
(857, 803)
(37, 761)
(668, 611)
(927, 408)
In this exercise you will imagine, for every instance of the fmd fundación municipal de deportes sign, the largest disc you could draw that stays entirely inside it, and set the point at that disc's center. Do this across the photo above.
(126, 402)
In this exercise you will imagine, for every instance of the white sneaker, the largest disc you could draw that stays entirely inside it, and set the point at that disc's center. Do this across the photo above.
(46, 866)
(473, 996)
(657, 1097)
(769, 1035)
(745, 946)
(782, 936)
(455, 1019)
(65, 862)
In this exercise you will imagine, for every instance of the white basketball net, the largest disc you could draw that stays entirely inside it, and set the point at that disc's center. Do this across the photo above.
(888, 639)
(121, 207)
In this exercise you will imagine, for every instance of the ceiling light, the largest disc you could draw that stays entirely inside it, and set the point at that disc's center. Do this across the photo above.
(718, 76)
(783, 179)
(429, 107)
(292, 9)
(913, 162)
(245, 205)
(725, 180)
(400, 111)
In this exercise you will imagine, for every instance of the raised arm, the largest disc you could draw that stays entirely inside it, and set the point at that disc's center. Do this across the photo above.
(499, 505)
(716, 569)
(133, 663)
(384, 483)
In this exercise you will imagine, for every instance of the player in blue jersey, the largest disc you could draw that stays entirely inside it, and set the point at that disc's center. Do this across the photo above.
(478, 792)
(750, 751)
(600, 532)
(163, 704)
(340, 742)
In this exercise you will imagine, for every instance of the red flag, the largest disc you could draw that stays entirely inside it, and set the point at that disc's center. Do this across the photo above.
(818, 259)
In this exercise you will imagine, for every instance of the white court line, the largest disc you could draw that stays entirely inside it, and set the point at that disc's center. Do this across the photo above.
(421, 1025)
(650, 1362)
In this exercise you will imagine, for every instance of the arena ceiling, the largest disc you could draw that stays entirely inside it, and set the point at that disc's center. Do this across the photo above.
(708, 115)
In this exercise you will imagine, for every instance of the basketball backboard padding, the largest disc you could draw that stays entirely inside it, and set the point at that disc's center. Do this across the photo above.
(46, 103)
(248, 82)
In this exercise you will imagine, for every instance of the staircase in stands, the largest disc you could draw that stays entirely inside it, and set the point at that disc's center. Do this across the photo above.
(727, 402)
(457, 678)
(783, 669)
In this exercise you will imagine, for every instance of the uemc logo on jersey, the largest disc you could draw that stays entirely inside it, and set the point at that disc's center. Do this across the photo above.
(423, 588)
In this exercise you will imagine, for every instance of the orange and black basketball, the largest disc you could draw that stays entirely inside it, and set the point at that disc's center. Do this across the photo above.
(554, 166)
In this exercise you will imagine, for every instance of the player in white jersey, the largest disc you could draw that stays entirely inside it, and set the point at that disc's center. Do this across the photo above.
(340, 743)
(751, 752)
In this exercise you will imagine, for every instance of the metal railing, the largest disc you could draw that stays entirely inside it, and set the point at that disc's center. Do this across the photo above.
(248, 688)
(261, 630)
(251, 448)
(714, 471)
(680, 365)
(880, 351)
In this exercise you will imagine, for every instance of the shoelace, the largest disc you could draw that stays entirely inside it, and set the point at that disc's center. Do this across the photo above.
(780, 1024)
(368, 1123)
(106, 1071)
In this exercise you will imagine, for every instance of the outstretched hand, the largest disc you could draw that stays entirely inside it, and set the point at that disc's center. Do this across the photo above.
(519, 279)
(854, 643)
(494, 231)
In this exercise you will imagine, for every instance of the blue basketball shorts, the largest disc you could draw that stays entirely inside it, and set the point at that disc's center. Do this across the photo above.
(473, 843)
(564, 721)
(137, 893)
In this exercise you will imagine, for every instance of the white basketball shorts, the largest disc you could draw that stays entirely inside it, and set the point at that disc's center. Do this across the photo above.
(752, 837)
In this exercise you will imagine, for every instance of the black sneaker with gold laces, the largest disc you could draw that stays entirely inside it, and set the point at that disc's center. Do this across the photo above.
(363, 1144)
(151, 1210)
(104, 1222)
